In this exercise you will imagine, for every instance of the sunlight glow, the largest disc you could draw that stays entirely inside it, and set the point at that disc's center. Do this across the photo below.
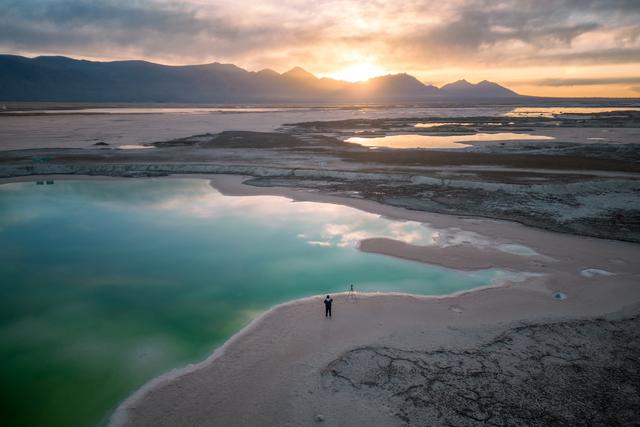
(359, 72)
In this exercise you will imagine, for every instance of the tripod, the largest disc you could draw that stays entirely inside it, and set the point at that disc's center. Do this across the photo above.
(351, 295)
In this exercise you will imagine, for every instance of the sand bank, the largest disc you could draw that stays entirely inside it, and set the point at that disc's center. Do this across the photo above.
(275, 371)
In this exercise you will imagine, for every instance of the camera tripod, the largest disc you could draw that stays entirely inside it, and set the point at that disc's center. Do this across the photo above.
(351, 295)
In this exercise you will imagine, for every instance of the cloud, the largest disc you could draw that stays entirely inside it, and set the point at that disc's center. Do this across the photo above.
(174, 30)
(528, 32)
(323, 35)
(475, 29)
(591, 57)
(588, 81)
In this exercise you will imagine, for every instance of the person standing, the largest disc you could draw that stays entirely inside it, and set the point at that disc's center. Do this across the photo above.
(327, 306)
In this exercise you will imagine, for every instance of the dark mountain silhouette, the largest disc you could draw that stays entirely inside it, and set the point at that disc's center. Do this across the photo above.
(393, 85)
(486, 89)
(61, 79)
(298, 73)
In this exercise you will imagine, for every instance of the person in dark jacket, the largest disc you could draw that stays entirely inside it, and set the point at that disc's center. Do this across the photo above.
(327, 306)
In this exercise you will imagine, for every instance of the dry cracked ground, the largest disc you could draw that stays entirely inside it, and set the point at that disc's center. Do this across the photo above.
(572, 373)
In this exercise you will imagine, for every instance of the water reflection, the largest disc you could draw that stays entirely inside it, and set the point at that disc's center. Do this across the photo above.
(442, 141)
(434, 124)
(553, 111)
(319, 224)
(134, 147)
(106, 284)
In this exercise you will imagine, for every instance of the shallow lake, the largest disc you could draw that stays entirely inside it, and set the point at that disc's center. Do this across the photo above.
(107, 284)
(441, 141)
(82, 127)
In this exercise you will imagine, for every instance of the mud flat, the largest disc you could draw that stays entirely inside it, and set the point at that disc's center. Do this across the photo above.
(585, 189)
(585, 180)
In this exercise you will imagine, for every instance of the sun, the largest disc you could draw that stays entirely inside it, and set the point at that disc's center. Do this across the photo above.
(359, 72)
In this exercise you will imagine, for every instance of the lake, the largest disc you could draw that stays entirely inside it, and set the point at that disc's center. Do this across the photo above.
(107, 284)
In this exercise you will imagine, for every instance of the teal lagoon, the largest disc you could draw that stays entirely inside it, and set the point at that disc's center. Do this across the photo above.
(107, 284)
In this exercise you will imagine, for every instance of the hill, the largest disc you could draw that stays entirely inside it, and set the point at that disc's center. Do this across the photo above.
(486, 89)
(62, 79)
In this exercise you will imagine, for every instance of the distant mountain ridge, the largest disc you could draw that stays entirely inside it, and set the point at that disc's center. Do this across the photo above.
(483, 88)
(62, 79)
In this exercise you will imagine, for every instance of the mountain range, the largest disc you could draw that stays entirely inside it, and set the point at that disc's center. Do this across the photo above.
(62, 79)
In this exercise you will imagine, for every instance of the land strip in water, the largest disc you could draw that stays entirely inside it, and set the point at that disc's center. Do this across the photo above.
(422, 364)
(381, 359)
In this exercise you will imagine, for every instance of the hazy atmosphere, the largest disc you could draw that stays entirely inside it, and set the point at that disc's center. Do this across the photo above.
(546, 47)
(319, 213)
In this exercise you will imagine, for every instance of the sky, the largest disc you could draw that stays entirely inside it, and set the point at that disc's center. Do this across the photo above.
(536, 47)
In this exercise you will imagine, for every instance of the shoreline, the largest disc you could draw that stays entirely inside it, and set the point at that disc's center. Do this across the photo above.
(235, 181)
(539, 288)
(235, 185)
(404, 320)
(119, 418)
(192, 386)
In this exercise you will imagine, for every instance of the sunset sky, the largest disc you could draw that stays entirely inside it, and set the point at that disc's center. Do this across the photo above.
(536, 47)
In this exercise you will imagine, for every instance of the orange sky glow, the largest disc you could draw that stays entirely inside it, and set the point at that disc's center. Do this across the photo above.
(567, 48)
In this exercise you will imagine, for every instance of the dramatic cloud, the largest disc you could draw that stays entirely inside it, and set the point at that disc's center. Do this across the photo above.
(434, 40)
(177, 31)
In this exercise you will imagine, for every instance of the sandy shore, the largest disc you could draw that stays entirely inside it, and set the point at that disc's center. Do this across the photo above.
(292, 367)
(271, 374)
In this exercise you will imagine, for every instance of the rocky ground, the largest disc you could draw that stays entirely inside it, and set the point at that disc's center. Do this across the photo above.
(572, 373)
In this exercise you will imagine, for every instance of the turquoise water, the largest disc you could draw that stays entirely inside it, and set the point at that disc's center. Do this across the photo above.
(106, 284)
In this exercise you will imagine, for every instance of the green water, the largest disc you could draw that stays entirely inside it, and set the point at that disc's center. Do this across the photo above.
(106, 284)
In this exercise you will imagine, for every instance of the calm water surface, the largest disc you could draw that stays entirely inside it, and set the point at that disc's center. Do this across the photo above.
(441, 141)
(553, 111)
(106, 284)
